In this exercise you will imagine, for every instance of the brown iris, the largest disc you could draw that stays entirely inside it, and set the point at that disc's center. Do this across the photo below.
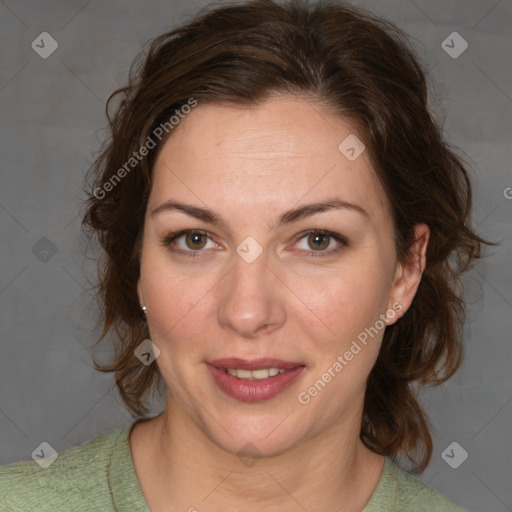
(193, 237)
(314, 238)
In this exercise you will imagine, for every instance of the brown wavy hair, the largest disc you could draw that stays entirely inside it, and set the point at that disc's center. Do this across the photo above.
(363, 69)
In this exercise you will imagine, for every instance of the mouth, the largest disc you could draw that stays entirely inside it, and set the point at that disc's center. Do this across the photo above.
(254, 380)
(262, 373)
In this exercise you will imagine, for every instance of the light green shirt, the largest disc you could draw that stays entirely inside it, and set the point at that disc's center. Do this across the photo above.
(99, 475)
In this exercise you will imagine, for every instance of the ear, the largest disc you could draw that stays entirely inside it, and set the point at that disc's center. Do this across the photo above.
(408, 275)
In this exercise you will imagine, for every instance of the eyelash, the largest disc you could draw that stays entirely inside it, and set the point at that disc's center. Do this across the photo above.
(168, 240)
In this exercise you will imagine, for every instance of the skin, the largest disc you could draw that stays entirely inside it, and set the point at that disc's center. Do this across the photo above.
(249, 165)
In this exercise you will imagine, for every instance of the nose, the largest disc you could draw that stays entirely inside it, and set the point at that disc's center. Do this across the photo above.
(250, 304)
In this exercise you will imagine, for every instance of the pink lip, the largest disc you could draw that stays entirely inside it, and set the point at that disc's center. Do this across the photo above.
(254, 390)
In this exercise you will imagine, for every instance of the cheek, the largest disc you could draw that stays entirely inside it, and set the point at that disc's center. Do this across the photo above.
(176, 298)
(345, 302)
(344, 346)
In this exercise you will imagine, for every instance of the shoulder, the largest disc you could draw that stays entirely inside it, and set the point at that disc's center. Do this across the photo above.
(403, 492)
(78, 475)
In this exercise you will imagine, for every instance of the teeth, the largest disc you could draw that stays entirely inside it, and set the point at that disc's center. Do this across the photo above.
(263, 373)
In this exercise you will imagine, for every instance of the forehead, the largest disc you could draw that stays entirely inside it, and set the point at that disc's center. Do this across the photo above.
(280, 152)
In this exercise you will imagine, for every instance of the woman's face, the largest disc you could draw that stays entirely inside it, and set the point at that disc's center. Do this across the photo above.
(289, 266)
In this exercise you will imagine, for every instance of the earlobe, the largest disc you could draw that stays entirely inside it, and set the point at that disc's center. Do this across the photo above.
(409, 274)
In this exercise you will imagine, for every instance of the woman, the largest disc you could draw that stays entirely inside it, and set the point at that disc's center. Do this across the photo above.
(277, 201)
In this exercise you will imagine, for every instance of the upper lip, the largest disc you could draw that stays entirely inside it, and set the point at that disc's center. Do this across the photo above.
(253, 364)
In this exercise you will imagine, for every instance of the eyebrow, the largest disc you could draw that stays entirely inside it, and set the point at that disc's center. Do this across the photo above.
(295, 214)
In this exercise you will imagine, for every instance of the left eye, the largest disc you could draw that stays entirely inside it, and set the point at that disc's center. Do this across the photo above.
(322, 242)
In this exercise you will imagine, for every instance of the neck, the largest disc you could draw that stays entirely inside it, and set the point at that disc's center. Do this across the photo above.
(332, 471)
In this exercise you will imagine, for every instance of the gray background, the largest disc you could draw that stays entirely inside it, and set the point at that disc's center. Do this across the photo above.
(52, 121)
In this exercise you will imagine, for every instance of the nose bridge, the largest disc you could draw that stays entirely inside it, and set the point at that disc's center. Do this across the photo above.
(249, 273)
(249, 303)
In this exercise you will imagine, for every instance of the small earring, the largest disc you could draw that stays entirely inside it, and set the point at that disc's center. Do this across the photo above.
(144, 311)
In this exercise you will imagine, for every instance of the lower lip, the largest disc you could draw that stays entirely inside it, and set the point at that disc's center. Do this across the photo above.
(254, 390)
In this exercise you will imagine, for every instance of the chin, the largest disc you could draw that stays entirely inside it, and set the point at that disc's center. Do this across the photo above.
(255, 436)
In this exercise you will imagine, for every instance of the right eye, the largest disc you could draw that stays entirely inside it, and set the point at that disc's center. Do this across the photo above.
(192, 242)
